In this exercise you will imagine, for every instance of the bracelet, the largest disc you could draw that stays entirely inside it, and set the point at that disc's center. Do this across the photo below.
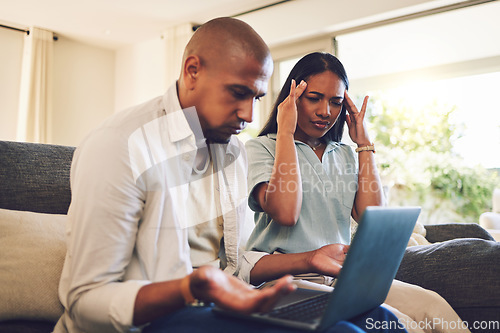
(366, 148)
(186, 291)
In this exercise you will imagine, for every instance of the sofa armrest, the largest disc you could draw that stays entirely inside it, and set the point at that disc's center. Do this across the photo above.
(443, 232)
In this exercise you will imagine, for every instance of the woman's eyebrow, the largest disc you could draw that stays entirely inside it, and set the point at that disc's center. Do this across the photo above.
(315, 93)
(321, 95)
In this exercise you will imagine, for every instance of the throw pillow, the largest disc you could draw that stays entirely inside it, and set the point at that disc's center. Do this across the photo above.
(32, 251)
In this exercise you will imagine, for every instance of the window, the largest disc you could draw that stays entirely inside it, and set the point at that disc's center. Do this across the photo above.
(452, 57)
(442, 73)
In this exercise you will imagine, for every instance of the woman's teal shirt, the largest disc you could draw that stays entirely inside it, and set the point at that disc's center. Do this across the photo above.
(329, 187)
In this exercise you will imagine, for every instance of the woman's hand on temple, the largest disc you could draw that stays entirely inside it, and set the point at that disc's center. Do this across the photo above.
(287, 110)
(355, 121)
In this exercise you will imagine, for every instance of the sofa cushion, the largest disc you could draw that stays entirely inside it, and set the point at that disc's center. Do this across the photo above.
(35, 177)
(32, 251)
(444, 232)
(463, 271)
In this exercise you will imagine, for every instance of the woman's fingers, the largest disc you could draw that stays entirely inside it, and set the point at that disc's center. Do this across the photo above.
(296, 90)
(292, 88)
(363, 107)
(349, 103)
(300, 89)
(352, 109)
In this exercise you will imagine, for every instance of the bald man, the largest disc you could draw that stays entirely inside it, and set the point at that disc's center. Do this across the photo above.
(159, 197)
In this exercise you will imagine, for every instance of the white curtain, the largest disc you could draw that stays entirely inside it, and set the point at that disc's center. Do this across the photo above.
(34, 118)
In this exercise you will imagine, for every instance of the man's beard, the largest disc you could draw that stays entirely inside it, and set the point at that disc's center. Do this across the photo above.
(216, 137)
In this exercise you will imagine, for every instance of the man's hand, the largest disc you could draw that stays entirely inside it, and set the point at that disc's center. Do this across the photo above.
(213, 285)
(328, 260)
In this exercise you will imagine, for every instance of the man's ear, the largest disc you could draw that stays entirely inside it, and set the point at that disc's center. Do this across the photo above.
(191, 69)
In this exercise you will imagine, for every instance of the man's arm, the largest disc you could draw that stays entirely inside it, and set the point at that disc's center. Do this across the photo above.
(208, 284)
(101, 230)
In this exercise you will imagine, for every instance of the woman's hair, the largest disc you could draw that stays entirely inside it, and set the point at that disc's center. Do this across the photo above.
(309, 65)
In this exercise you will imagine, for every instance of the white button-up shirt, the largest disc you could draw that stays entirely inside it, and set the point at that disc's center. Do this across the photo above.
(128, 219)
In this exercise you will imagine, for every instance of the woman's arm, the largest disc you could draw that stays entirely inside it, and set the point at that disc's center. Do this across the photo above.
(370, 190)
(281, 197)
(326, 260)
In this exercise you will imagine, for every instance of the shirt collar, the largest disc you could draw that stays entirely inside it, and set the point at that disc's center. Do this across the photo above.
(177, 127)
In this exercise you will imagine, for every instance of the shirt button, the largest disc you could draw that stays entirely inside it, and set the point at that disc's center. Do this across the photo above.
(186, 157)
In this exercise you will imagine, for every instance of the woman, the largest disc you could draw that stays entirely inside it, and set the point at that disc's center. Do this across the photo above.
(305, 185)
(304, 131)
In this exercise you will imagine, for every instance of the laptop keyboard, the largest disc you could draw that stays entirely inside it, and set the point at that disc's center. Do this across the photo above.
(304, 311)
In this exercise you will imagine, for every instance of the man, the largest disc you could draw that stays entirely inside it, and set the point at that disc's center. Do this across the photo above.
(161, 188)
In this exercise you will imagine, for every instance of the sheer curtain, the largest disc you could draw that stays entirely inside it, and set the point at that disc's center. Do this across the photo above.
(34, 118)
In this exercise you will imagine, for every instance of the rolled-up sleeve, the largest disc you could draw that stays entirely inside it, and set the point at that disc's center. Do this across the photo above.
(108, 308)
(247, 262)
(260, 167)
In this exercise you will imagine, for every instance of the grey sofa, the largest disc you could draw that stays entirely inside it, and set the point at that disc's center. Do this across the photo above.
(35, 178)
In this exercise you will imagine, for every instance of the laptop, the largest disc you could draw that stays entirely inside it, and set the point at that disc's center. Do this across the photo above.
(364, 281)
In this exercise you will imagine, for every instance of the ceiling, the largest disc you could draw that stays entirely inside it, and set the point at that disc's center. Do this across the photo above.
(115, 23)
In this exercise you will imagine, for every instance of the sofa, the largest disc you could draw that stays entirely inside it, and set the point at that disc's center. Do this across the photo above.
(34, 198)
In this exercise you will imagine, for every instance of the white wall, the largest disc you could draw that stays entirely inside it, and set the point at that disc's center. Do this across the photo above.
(140, 73)
(146, 70)
(10, 76)
(83, 89)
